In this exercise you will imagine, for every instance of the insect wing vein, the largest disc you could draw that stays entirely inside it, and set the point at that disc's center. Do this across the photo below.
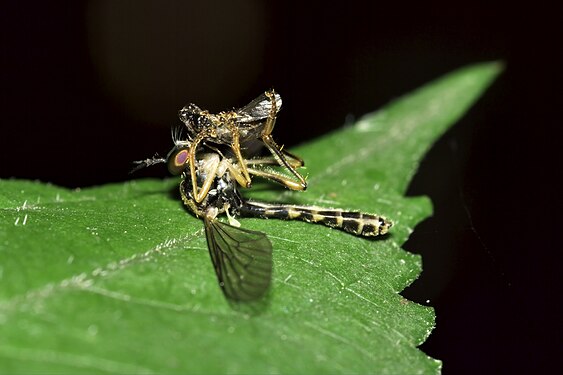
(258, 109)
(242, 259)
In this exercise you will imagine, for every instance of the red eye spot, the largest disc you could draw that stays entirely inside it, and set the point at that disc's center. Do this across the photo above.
(181, 158)
(177, 161)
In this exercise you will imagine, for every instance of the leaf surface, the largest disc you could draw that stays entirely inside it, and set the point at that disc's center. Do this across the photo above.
(117, 278)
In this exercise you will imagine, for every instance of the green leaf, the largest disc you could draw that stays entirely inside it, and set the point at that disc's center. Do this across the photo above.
(117, 278)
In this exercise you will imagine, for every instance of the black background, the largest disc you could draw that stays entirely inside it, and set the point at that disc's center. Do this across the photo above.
(87, 87)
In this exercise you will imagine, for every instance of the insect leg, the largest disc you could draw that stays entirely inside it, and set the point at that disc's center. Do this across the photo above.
(271, 120)
(275, 150)
(236, 171)
(276, 177)
(211, 168)
(300, 183)
(235, 146)
(199, 194)
(293, 160)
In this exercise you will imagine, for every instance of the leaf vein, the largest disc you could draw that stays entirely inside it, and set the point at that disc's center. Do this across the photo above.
(85, 280)
(339, 338)
(74, 360)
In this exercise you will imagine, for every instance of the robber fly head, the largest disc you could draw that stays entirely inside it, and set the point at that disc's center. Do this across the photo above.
(194, 118)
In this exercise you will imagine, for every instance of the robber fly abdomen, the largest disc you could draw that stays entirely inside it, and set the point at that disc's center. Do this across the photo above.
(358, 223)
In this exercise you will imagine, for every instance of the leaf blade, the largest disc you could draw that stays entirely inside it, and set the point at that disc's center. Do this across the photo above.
(117, 278)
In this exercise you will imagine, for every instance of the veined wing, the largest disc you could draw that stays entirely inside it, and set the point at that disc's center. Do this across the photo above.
(258, 109)
(242, 259)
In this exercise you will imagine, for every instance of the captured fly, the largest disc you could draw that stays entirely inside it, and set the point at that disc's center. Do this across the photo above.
(236, 128)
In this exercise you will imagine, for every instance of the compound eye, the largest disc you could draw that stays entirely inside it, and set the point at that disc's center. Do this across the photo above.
(177, 161)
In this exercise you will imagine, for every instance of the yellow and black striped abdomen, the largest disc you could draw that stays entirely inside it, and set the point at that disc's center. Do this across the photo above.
(358, 223)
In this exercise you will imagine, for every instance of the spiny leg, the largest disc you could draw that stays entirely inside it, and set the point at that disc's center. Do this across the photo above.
(199, 194)
(253, 164)
(236, 171)
(293, 160)
(235, 146)
(256, 167)
(276, 177)
(300, 184)
(271, 120)
(274, 149)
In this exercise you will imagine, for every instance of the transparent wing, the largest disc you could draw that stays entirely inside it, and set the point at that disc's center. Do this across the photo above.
(242, 259)
(258, 109)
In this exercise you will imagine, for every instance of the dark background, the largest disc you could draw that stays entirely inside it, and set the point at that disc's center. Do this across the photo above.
(87, 87)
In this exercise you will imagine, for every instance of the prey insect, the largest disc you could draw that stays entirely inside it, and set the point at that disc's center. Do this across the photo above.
(236, 129)
(242, 258)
